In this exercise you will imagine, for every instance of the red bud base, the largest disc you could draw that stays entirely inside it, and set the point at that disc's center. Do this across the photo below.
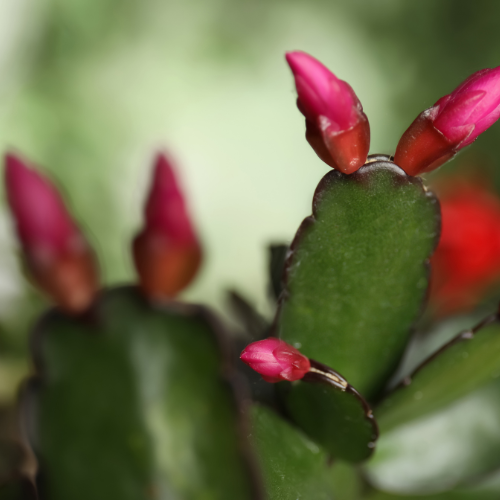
(164, 269)
(423, 147)
(344, 151)
(70, 279)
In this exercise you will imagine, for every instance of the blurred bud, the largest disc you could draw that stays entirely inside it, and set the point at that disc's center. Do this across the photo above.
(336, 127)
(56, 254)
(455, 121)
(167, 253)
(275, 360)
(466, 263)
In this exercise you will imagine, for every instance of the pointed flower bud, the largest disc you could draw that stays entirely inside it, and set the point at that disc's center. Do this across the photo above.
(56, 254)
(167, 253)
(275, 360)
(455, 121)
(336, 127)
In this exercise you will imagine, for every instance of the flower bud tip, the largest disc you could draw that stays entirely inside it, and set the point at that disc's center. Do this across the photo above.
(167, 253)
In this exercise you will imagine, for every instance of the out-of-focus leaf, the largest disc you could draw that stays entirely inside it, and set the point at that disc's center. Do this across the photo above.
(467, 362)
(432, 336)
(277, 258)
(134, 405)
(11, 459)
(443, 449)
(347, 481)
(356, 277)
(254, 324)
(332, 413)
(449, 495)
(18, 489)
(292, 465)
(15, 461)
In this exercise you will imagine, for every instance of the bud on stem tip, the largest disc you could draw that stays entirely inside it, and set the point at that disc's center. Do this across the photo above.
(167, 253)
(56, 253)
(275, 360)
(455, 121)
(336, 127)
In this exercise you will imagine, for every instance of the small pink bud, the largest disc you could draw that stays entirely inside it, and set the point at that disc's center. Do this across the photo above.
(275, 360)
(455, 121)
(56, 254)
(167, 253)
(336, 127)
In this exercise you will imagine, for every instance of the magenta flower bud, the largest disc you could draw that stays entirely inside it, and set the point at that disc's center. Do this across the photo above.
(455, 121)
(275, 360)
(336, 127)
(167, 253)
(56, 254)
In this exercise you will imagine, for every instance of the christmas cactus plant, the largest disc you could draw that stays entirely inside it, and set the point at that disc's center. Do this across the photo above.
(137, 395)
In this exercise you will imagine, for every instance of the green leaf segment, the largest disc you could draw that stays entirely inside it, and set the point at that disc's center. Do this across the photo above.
(149, 383)
(357, 274)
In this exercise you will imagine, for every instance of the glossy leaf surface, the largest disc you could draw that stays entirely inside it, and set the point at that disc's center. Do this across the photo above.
(356, 277)
(466, 363)
(133, 405)
(293, 466)
(442, 450)
(448, 495)
(339, 420)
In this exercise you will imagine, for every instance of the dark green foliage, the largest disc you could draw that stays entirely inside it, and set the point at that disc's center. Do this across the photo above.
(134, 404)
(466, 363)
(18, 489)
(339, 420)
(448, 448)
(292, 465)
(357, 277)
(447, 495)
(277, 258)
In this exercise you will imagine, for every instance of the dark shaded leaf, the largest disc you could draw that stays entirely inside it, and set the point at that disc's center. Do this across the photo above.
(277, 258)
(18, 489)
(332, 413)
(442, 450)
(449, 495)
(469, 361)
(255, 325)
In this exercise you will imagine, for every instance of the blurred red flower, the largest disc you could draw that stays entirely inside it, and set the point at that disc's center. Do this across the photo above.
(466, 264)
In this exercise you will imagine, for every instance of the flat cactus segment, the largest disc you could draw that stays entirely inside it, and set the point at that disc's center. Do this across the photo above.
(357, 275)
(134, 404)
(469, 361)
(334, 415)
(447, 495)
(293, 466)
(448, 448)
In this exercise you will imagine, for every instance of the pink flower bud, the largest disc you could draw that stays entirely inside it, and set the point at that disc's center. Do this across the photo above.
(275, 360)
(56, 254)
(455, 121)
(336, 127)
(167, 253)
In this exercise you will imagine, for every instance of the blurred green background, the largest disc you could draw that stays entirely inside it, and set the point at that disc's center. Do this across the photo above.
(91, 89)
